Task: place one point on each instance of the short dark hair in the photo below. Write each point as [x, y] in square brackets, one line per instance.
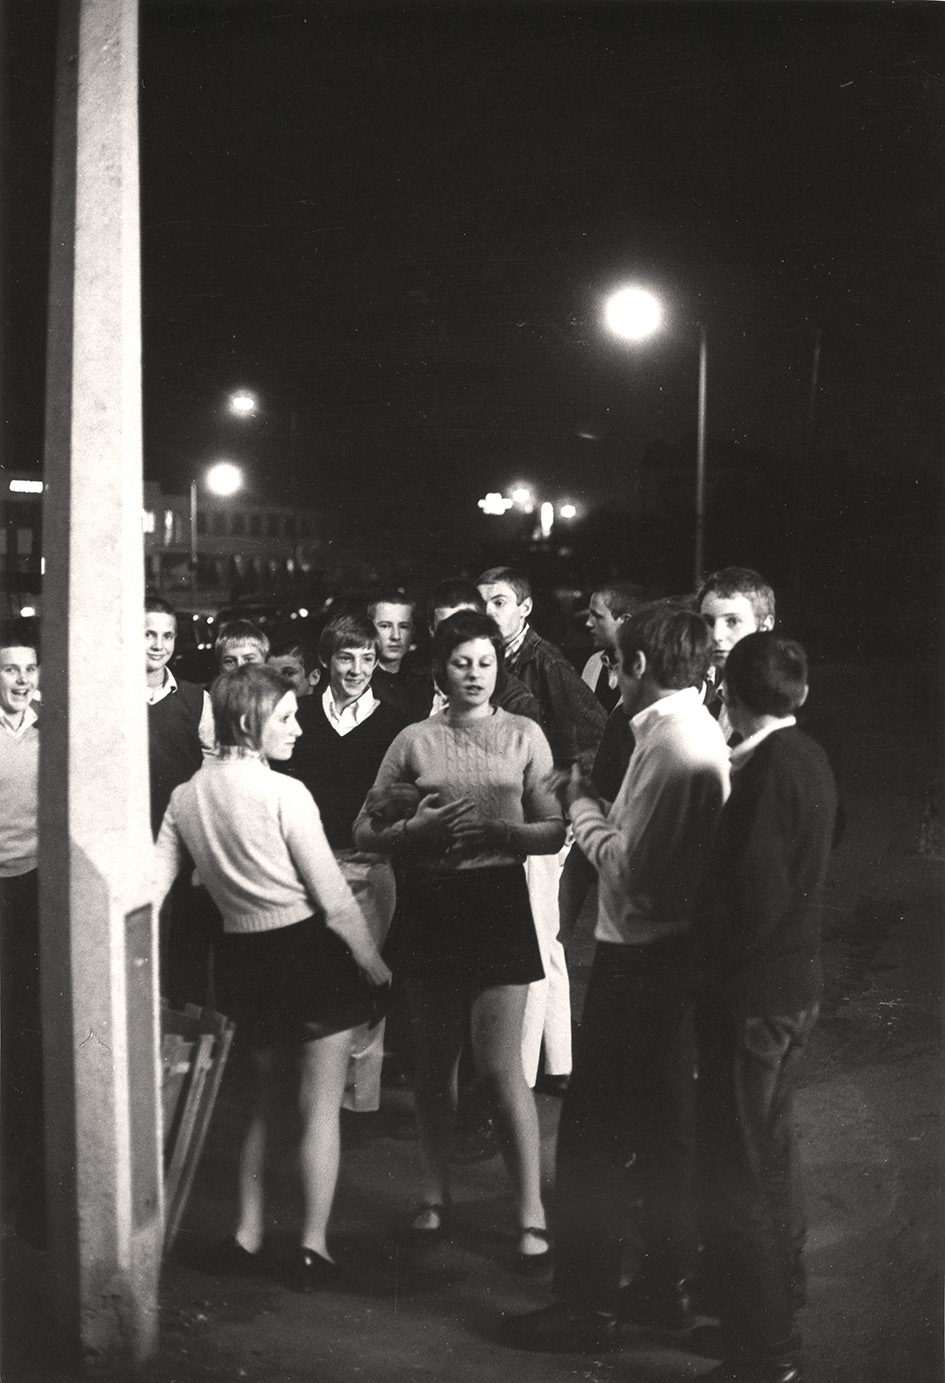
[729, 582]
[455, 590]
[462, 627]
[292, 648]
[767, 674]
[518, 581]
[252, 690]
[675, 642]
[157, 605]
[620, 597]
[346, 631]
[21, 632]
[241, 631]
[390, 598]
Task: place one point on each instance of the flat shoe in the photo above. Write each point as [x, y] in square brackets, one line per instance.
[534, 1263]
[313, 1271]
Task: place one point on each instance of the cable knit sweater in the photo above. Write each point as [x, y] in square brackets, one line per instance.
[256, 839]
[501, 762]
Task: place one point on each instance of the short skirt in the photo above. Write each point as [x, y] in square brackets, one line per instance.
[472, 927]
[292, 984]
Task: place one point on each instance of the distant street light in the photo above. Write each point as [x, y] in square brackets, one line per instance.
[243, 402]
[567, 511]
[223, 478]
[634, 313]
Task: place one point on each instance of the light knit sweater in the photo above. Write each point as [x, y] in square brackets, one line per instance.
[501, 762]
[257, 842]
[19, 796]
[649, 849]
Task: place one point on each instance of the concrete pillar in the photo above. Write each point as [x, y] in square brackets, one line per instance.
[99, 953]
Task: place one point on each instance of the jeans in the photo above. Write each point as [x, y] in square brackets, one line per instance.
[752, 1202]
[625, 1142]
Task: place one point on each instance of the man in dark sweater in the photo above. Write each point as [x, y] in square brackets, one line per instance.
[346, 729]
[755, 943]
[180, 732]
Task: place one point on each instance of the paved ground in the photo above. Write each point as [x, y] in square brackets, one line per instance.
[869, 1121]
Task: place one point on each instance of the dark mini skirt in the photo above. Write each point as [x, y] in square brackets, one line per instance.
[473, 927]
[291, 984]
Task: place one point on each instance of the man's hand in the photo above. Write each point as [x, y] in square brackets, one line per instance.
[570, 784]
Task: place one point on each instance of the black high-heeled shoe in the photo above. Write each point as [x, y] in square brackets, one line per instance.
[312, 1271]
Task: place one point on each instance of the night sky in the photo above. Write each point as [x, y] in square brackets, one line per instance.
[398, 222]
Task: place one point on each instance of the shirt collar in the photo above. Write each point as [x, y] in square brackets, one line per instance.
[513, 645]
[743, 752]
[156, 694]
[29, 718]
[352, 714]
[644, 721]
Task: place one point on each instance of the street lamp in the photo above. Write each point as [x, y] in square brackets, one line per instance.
[243, 402]
[223, 478]
[634, 313]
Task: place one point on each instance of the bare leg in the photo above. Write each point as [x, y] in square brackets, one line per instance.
[252, 1163]
[438, 1037]
[323, 1068]
[497, 1037]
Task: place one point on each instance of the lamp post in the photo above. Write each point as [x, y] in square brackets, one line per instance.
[221, 479]
[634, 313]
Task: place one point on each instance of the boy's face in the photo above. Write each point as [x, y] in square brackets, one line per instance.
[19, 676]
[394, 625]
[236, 654]
[350, 673]
[160, 635]
[293, 670]
[729, 618]
[601, 623]
[503, 605]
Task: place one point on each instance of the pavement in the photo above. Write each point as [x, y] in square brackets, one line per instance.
[868, 1115]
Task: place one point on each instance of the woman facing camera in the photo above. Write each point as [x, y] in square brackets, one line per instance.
[463, 936]
[299, 965]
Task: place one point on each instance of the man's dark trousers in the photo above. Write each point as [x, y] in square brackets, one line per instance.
[626, 1139]
[752, 1205]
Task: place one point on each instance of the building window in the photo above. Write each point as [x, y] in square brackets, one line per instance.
[218, 523]
[272, 525]
[255, 525]
[288, 526]
[239, 525]
[305, 528]
[24, 542]
[201, 522]
[169, 527]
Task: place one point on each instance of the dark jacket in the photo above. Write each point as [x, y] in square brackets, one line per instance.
[570, 714]
[755, 935]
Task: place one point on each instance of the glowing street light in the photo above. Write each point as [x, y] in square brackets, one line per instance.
[224, 478]
[567, 511]
[243, 402]
[634, 313]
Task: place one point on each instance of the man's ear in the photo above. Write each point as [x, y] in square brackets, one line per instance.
[638, 664]
[803, 697]
[244, 724]
[766, 625]
[526, 605]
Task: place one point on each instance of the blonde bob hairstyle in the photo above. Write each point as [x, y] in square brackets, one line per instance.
[243, 700]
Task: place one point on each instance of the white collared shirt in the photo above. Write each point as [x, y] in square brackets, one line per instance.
[352, 715]
[27, 718]
[743, 752]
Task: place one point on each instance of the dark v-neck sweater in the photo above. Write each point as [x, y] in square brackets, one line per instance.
[339, 770]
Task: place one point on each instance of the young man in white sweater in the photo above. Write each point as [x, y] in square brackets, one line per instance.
[626, 1134]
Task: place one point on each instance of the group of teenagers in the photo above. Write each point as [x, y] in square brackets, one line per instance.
[365, 815]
